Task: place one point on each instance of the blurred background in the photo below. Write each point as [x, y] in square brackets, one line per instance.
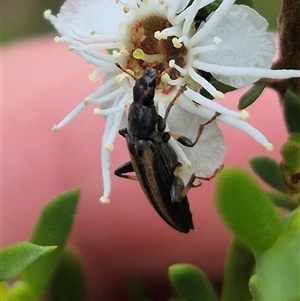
[24, 18]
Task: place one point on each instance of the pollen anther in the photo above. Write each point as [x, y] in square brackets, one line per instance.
[97, 112]
[93, 78]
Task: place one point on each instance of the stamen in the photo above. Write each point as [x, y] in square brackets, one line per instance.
[176, 43]
[244, 115]
[104, 200]
[270, 147]
[47, 14]
[210, 104]
[109, 146]
[87, 101]
[205, 84]
[165, 77]
[227, 119]
[212, 22]
[202, 49]
[71, 115]
[188, 164]
[112, 110]
[178, 68]
[126, 9]
[57, 39]
[218, 41]
[71, 47]
[97, 112]
[93, 78]
[148, 58]
[246, 71]
[158, 35]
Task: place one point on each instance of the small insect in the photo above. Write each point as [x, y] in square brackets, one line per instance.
[153, 160]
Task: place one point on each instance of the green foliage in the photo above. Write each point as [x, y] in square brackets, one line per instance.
[190, 283]
[238, 270]
[68, 283]
[19, 291]
[277, 275]
[290, 152]
[269, 171]
[291, 109]
[16, 258]
[53, 228]
[251, 95]
[247, 210]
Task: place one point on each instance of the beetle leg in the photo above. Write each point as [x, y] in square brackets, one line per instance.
[213, 175]
[188, 142]
[178, 190]
[123, 132]
[173, 101]
[125, 168]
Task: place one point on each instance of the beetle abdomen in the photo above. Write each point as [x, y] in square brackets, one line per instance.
[154, 162]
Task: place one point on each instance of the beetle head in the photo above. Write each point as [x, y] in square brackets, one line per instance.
[144, 88]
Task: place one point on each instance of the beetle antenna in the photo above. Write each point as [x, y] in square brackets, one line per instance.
[173, 101]
[127, 71]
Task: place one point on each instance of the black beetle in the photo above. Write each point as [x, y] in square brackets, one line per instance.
[153, 160]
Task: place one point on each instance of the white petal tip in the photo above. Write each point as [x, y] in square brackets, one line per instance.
[188, 164]
[219, 95]
[47, 14]
[244, 115]
[93, 78]
[97, 112]
[269, 147]
[54, 128]
[104, 200]
[109, 146]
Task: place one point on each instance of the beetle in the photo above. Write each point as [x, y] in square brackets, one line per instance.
[153, 160]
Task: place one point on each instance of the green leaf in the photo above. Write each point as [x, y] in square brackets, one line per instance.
[245, 2]
[239, 268]
[291, 110]
[290, 152]
[277, 270]
[53, 228]
[68, 283]
[18, 291]
[16, 258]
[247, 210]
[251, 95]
[283, 200]
[190, 283]
[269, 171]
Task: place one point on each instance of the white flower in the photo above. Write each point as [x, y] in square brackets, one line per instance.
[232, 44]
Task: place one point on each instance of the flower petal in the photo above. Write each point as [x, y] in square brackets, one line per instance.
[245, 43]
[207, 155]
[87, 15]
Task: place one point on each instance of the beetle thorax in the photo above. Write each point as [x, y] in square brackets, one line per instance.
[142, 121]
